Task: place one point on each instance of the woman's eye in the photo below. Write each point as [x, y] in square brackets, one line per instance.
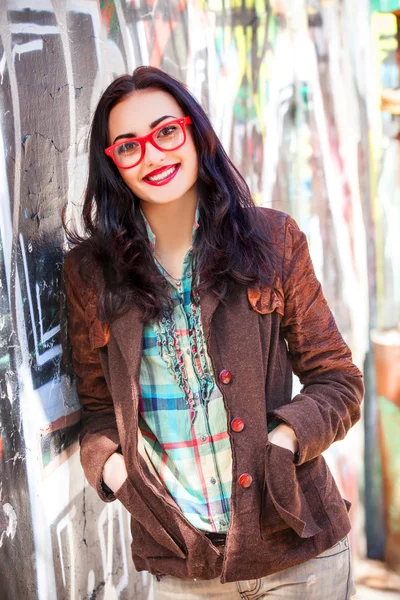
[127, 148]
[168, 130]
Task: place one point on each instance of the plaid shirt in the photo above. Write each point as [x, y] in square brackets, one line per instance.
[181, 412]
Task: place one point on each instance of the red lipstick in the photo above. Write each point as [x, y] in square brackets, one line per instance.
[165, 180]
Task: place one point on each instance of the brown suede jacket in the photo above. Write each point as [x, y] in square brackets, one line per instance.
[290, 512]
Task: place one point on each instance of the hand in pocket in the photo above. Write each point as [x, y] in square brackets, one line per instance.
[114, 472]
[285, 437]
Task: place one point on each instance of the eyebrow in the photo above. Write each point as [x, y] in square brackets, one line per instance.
[152, 125]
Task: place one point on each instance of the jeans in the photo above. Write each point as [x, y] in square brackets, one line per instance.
[325, 577]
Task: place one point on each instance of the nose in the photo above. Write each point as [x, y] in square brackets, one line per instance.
[152, 154]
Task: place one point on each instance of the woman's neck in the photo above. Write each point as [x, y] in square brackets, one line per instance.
[172, 225]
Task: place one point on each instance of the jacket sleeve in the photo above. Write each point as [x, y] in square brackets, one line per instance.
[99, 437]
[329, 401]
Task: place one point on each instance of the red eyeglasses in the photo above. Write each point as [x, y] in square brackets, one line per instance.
[130, 152]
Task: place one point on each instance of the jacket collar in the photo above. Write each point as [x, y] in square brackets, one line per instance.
[127, 330]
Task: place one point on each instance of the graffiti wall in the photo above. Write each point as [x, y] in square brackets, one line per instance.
[286, 85]
[384, 475]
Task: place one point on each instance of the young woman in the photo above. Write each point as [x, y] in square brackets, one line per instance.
[189, 309]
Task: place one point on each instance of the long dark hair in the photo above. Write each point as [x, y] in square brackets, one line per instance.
[232, 245]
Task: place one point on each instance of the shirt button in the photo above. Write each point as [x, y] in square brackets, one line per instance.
[237, 425]
[222, 522]
[213, 480]
[225, 376]
[203, 438]
[245, 480]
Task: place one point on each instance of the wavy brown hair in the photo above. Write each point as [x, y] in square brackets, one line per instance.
[232, 245]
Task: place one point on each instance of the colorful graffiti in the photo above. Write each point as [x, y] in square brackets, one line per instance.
[287, 88]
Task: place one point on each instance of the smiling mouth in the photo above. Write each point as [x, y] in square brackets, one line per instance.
[163, 177]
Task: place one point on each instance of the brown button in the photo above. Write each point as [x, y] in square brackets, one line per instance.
[245, 480]
[237, 425]
[225, 376]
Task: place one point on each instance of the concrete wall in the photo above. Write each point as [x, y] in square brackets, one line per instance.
[287, 90]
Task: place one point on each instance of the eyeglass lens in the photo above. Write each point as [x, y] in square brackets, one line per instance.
[129, 153]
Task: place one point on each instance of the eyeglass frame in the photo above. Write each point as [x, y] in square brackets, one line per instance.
[183, 121]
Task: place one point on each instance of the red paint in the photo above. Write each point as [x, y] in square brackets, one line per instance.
[158, 37]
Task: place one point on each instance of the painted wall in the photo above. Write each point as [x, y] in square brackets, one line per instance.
[385, 473]
[288, 88]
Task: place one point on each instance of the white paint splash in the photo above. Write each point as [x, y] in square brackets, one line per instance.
[12, 523]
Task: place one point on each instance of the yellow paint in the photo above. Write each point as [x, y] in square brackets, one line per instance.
[257, 197]
[244, 41]
[240, 40]
[381, 25]
[227, 37]
[260, 7]
[249, 43]
[216, 5]
[384, 25]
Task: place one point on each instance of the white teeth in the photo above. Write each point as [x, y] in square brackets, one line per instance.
[162, 175]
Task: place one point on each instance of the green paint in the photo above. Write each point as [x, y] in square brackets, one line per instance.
[304, 92]
[244, 109]
[109, 16]
[46, 458]
[390, 427]
[4, 361]
[385, 5]
[272, 30]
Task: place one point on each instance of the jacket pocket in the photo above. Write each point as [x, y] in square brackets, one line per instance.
[154, 538]
[146, 547]
[290, 498]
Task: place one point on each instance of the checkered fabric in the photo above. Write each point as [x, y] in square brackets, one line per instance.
[182, 415]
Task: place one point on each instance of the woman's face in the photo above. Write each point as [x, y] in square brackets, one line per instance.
[135, 116]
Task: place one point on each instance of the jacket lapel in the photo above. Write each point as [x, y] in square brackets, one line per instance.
[208, 303]
[127, 332]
